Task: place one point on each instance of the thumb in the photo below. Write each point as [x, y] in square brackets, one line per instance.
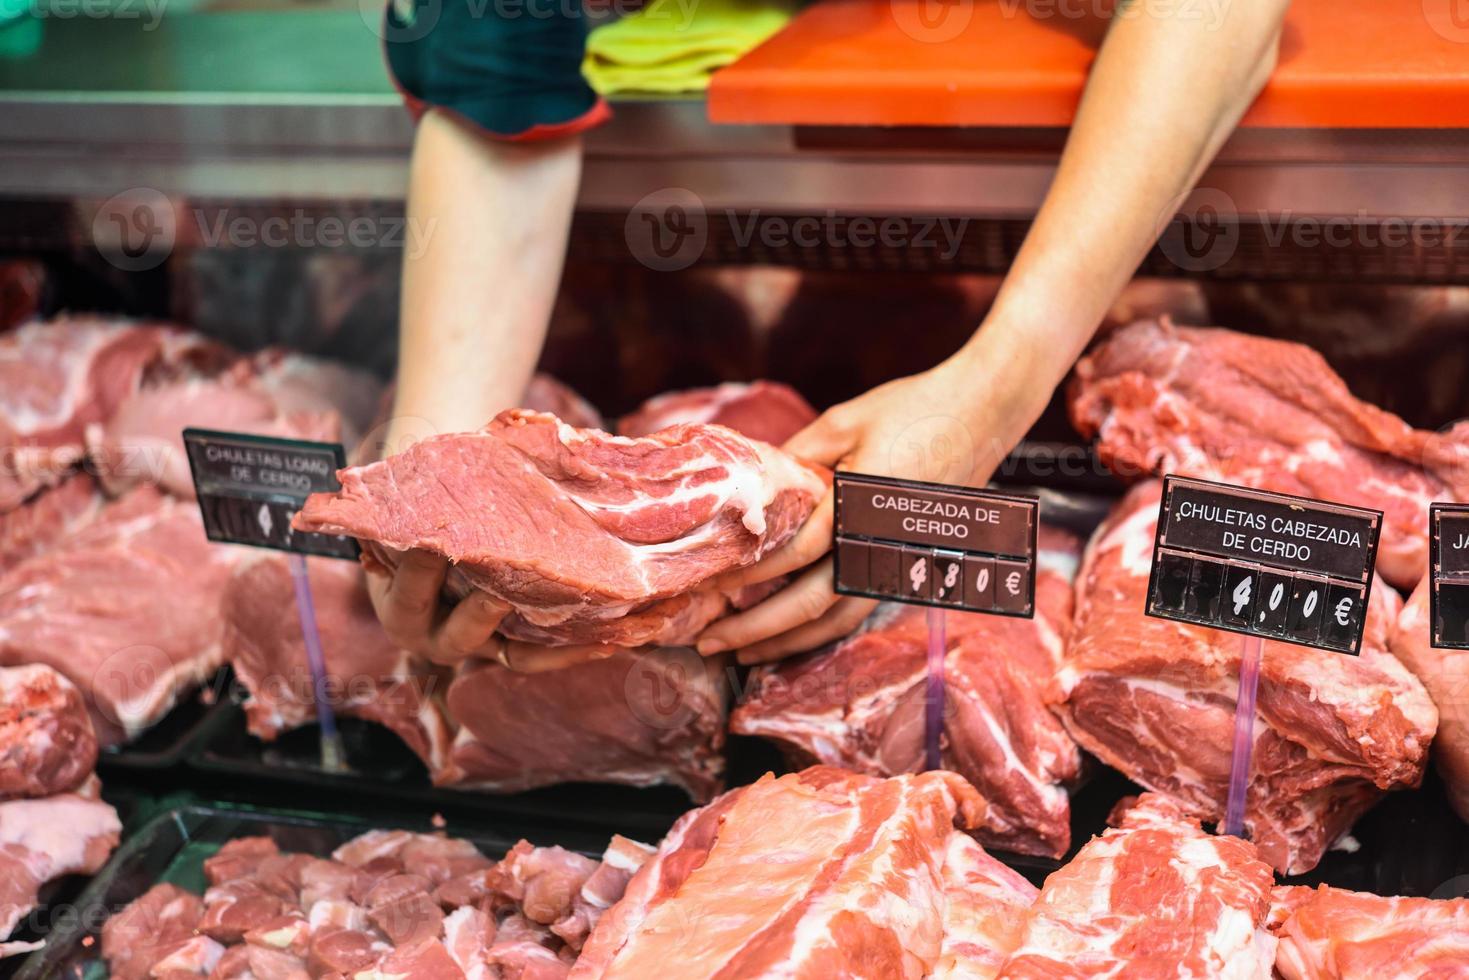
[825, 441]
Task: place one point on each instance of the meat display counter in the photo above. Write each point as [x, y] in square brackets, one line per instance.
[1319, 278]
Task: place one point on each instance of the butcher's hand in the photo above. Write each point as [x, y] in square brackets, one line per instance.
[952, 424]
[408, 601]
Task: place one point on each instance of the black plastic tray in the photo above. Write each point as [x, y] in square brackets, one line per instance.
[172, 848]
[241, 767]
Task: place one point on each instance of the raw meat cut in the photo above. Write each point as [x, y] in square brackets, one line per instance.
[984, 912]
[127, 609]
[57, 378]
[46, 741]
[1445, 673]
[1156, 897]
[860, 705]
[1220, 405]
[1333, 934]
[818, 874]
[546, 394]
[48, 517]
[590, 538]
[764, 410]
[1155, 699]
[271, 393]
[389, 903]
[44, 839]
[367, 675]
[640, 717]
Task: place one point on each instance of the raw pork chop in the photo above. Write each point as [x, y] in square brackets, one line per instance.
[640, 717]
[271, 393]
[860, 704]
[764, 410]
[590, 538]
[1333, 934]
[44, 839]
[984, 912]
[1155, 699]
[56, 378]
[368, 677]
[1220, 405]
[46, 741]
[127, 609]
[817, 874]
[1446, 675]
[1156, 897]
[48, 517]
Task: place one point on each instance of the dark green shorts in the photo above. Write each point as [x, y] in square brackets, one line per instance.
[511, 68]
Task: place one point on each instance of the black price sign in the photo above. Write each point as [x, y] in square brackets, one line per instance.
[1271, 564]
[1448, 588]
[935, 545]
[249, 488]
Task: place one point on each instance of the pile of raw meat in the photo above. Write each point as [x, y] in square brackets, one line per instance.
[105, 573]
[387, 903]
[818, 874]
[52, 820]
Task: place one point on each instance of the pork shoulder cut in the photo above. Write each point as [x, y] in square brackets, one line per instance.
[764, 410]
[860, 704]
[1154, 897]
[1330, 933]
[1445, 672]
[1221, 405]
[821, 873]
[1155, 699]
[590, 538]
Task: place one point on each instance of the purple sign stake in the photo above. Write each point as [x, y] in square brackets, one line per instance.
[332, 753]
[1244, 735]
[933, 719]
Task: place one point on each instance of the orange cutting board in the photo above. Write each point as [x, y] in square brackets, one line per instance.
[1343, 63]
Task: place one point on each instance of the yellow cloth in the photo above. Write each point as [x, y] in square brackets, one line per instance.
[673, 46]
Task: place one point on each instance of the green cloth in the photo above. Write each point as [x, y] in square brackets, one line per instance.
[673, 46]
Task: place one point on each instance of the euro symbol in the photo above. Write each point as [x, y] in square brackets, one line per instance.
[1343, 611]
[1242, 594]
[1012, 583]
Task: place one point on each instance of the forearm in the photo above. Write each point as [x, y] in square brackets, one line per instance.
[1163, 96]
[490, 223]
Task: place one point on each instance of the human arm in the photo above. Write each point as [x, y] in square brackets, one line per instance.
[492, 219]
[1163, 95]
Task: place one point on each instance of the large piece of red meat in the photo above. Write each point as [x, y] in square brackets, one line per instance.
[860, 704]
[1155, 698]
[1333, 934]
[1155, 897]
[47, 745]
[1445, 672]
[590, 538]
[1221, 405]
